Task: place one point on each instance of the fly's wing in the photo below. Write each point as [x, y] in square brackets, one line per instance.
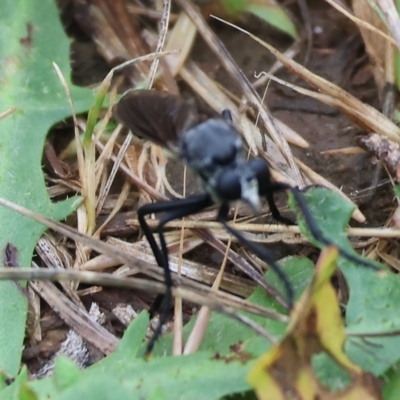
[157, 116]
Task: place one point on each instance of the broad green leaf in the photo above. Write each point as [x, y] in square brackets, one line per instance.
[11, 392]
[187, 377]
[123, 376]
[234, 7]
[392, 387]
[329, 373]
[157, 394]
[267, 10]
[31, 39]
[374, 296]
[397, 69]
[274, 15]
[26, 393]
[223, 332]
[66, 373]
[129, 347]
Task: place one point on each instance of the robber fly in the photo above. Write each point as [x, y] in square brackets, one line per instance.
[209, 145]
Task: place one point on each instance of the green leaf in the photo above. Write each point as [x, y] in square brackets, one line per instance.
[374, 296]
[32, 38]
[392, 388]
[132, 341]
[275, 16]
[26, 393]
[11, 392]
[329, 373]
[123, 376]
[66, 373]
[157, 394]
[234, 7]
[266, 10]
[396, 190]
[223, 332]
[174, 377]
[397, 68]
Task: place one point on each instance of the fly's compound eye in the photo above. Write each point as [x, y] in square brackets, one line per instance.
[261, 172]
[228, 185]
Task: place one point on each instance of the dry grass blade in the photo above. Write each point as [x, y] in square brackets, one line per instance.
[237, 74]
[195, 271]
[212, 94]
[6, 113]
[85, 156]
[86, 160]
[76, 317]
[123, 258]
[274, 228]
[388, 9]
[344, 151]
[102, 160]
[360, 22]
[78, 236]
[123, 195]
[378, 47]
[117, 36]
[199, 328]
[291, 52]
[55, 256]
[196, 335]
[291, 135]
[364, 115]
[181, 38]
[33, 327]
[177, 345]
[133, 178]
[218, 301]
[152, 14]
[210, 238]
[161, 40]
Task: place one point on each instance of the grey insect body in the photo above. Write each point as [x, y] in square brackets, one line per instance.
[214, 149]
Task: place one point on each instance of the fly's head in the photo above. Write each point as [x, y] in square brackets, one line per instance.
[242, 182]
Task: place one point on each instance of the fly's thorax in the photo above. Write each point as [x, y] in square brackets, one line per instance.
[211, 147]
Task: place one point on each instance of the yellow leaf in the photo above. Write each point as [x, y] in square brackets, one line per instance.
[285, 372]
